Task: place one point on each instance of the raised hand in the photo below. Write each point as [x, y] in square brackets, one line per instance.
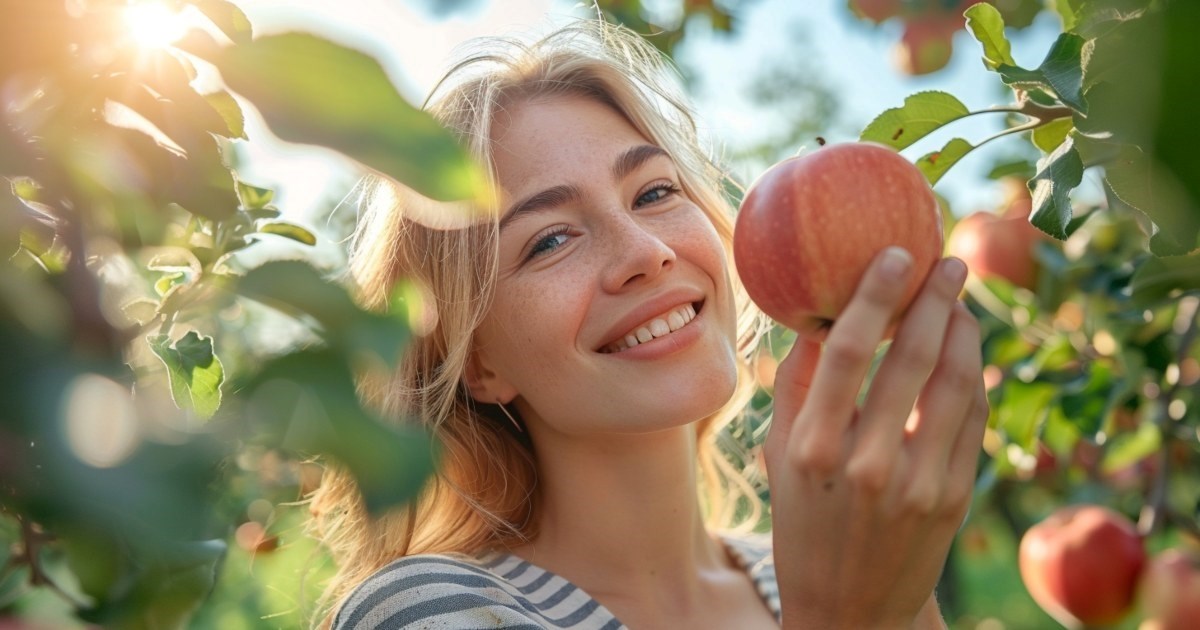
[867, 496]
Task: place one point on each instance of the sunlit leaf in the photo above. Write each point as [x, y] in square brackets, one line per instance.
[314, 91]
[1058, 174]
[1023, 407]
[1127, 449]
[253, 197]
[1066, 12]
[229, 110]
[1048, 136]
[227, 17]
[288, 230]
[1061, 71]
[934, 165]
[987, 25]
[194, 371]
[921, 114]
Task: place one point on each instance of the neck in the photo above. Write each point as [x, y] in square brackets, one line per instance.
[620, 514]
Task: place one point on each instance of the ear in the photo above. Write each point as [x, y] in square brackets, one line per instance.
[484, 384]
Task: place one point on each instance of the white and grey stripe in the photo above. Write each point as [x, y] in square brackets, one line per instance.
[500, 590]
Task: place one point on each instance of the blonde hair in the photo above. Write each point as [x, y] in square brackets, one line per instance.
[483, 493]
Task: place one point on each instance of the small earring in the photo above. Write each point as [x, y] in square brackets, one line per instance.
[509, 416]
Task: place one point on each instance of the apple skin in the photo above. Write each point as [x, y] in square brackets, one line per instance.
[1081, 565]
[995, 246]
[1170, 591]
[810, 226]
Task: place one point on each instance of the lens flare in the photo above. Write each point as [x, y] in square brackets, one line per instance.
[153, 25]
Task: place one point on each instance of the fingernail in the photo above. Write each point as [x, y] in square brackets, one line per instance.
[896, 262]
[954, 270]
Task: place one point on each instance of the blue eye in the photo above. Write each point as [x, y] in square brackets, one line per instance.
[657, 193]
[548, 242]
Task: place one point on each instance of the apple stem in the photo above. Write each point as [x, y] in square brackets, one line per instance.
[1155, 509]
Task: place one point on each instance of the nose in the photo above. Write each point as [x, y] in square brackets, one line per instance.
[636, 253]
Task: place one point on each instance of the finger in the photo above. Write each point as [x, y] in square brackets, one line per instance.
[945, 405]
[964, 457]
[850, 346]
[793, 379]
[906, 368]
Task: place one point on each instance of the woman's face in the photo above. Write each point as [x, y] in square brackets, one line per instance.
[613, 310]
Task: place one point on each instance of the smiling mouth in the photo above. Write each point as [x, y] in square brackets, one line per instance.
[660, 326]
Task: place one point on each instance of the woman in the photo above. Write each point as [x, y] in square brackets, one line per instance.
[590, 338]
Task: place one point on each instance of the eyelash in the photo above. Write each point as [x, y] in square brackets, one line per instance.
[668, 188]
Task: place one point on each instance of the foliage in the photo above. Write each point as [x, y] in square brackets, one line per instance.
[141, 354]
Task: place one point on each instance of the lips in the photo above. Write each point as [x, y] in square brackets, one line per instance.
[657, 317]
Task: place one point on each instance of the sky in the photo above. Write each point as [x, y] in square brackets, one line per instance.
[850, 57]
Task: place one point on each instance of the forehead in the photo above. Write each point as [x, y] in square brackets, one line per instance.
[543, 140]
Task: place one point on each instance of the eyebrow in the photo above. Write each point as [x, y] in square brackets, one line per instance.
[555, 196]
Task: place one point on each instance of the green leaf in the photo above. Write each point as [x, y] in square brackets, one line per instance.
[934, 165]
[161, 587]
[227, 17]
[1048, 136]
[1061, 71]
[314, 91]
[230, 111]
[288, 230]
[921, 114]
[1143, 184]
[253, 197]
[308, 402]
[1127, 449]
[1158, 279]
[987, 25]
[1022, 408]
[1058, 173]
[298, 289]
[195, 372]
[1066, 11]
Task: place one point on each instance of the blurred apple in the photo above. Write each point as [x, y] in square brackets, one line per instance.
[926, 44]
[876, 11]
[810, 226]
[1081, 565]
[999, 246]
[1170, 591]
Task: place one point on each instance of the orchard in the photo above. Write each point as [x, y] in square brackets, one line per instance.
[180, 355]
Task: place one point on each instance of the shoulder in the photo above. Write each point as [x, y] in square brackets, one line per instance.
[434, 591]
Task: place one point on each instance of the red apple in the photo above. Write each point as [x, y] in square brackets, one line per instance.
[926, 44]
[998, 246]
[1170, 591]
[1082, 564]
[876, 11]
[809, 227]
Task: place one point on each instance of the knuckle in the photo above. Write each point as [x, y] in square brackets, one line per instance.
[813, 457]
[868, 475]
[918, 356]
[924, 499]
[845, 352]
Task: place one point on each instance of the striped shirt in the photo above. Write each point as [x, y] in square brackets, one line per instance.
[499, 590]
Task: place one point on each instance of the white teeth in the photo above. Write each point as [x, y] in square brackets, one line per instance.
[655, 328]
